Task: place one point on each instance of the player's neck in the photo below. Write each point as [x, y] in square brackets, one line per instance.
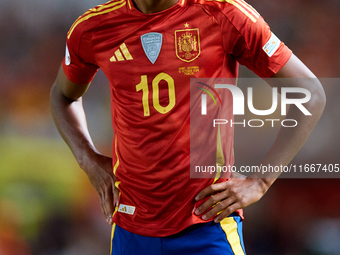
[152, 6]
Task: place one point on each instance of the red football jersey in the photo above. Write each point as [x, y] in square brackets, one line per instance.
[149, 60]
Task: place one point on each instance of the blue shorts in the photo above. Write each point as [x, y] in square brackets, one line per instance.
[222, 238]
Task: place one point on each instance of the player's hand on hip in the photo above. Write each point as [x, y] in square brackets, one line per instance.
[227, 197]
[100, 173]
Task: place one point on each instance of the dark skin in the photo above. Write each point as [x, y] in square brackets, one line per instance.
[237, 193]
[152, 6]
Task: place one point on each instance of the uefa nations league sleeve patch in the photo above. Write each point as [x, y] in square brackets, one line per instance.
[152, 44]
[272, 45]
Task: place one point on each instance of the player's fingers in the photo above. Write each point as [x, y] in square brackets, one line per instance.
[221, 206]
[229, 210]
[106, 203]
[211, 190]
[115, 193]
[210, 202]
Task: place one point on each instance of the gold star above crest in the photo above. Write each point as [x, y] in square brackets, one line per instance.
[186, 25]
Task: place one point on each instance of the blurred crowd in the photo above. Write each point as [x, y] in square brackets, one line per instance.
[47, 206]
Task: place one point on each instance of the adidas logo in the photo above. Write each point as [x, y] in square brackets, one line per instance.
[121, 54]
[126, 209]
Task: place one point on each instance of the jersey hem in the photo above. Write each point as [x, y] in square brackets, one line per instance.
[164, 232]
[151, 232]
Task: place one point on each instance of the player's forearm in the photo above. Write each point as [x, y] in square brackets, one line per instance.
[290, 139]
[70, 120]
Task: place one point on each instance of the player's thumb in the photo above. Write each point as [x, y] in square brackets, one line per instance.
[115, 193]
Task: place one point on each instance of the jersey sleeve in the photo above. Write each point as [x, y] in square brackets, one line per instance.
[78, 64]
[250, 40]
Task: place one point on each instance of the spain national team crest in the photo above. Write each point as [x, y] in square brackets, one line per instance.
[187, 44]
[152, 44]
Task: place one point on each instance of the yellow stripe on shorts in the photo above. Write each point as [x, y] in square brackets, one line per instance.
[112, 235]
[229, 226]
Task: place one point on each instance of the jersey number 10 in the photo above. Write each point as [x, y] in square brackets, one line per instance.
[143, 85]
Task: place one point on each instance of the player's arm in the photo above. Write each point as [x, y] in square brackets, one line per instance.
[238, 193]
[290, 140]
[69, 117]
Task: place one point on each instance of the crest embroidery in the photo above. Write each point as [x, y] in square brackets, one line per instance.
[187, 44]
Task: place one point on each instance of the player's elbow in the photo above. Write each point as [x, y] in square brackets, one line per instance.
[318, 96]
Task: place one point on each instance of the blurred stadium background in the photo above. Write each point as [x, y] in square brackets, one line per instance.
[47, 206]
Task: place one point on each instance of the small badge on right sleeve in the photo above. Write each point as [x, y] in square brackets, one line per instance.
[272, 45]
[67, 57]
